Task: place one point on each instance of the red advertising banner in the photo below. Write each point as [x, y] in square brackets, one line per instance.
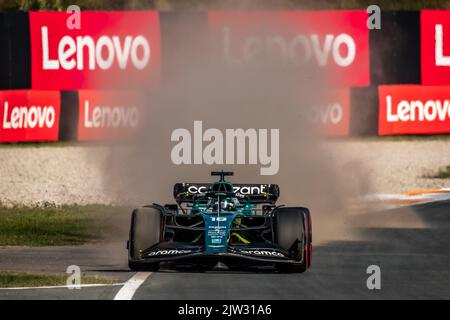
[414, 109]
[336, 41]
[435, 47]
[28, 115]
[110, 50]
[106, 115]
[333, 117]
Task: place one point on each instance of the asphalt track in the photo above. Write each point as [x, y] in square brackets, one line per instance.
[414, 262]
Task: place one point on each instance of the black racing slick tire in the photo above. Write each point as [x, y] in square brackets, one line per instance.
[292, 230]
[145, 232]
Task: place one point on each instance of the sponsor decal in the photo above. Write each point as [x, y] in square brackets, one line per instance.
[414, 109]
[337, 41]
[110, 50]
[218, 219]
[263, 253]
[333, 117]
[168, 252]
[217, 233]
[249, 190]
[108, 114]
[197, 190]
[244, 190]
[435, 46]
[28, 115]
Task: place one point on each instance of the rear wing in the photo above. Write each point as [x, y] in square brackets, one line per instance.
[256, 193]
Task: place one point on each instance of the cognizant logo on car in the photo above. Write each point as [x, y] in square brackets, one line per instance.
[244, 190]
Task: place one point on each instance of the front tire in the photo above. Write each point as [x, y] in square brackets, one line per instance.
[293, 233]
[145, 232]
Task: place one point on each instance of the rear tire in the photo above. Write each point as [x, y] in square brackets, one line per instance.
[293, 233]
[145, 232]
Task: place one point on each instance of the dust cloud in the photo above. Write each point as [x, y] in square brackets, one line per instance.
[266, 93]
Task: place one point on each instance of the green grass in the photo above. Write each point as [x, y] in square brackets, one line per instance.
[62, 144]
[53, 144]
[214, 4]
[66, 225]
[384, 4]
[25, 279]
[36, 144]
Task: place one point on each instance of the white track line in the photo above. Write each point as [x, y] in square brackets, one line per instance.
[67, 287]
[130, 287]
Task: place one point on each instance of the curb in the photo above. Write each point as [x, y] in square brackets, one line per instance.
[409, 198]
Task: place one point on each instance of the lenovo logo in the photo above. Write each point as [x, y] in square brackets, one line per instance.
[111, 50]
[106, 115]
[332, 113]
[23, 117]
[86, 52]
[414, 109]
[110, 117]
[441, 59]
[337, 42]
[435, 47]
[338, 49]
[429, 110]
[28, 115]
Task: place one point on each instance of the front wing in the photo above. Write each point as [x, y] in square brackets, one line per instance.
[180, 253]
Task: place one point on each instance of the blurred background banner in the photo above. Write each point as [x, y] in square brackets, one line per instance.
[337, 41]
[143, 51]
[107, 115]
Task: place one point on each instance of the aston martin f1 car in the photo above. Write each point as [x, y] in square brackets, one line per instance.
[236, 224]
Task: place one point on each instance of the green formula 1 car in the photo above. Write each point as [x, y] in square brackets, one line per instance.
[236, 224]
